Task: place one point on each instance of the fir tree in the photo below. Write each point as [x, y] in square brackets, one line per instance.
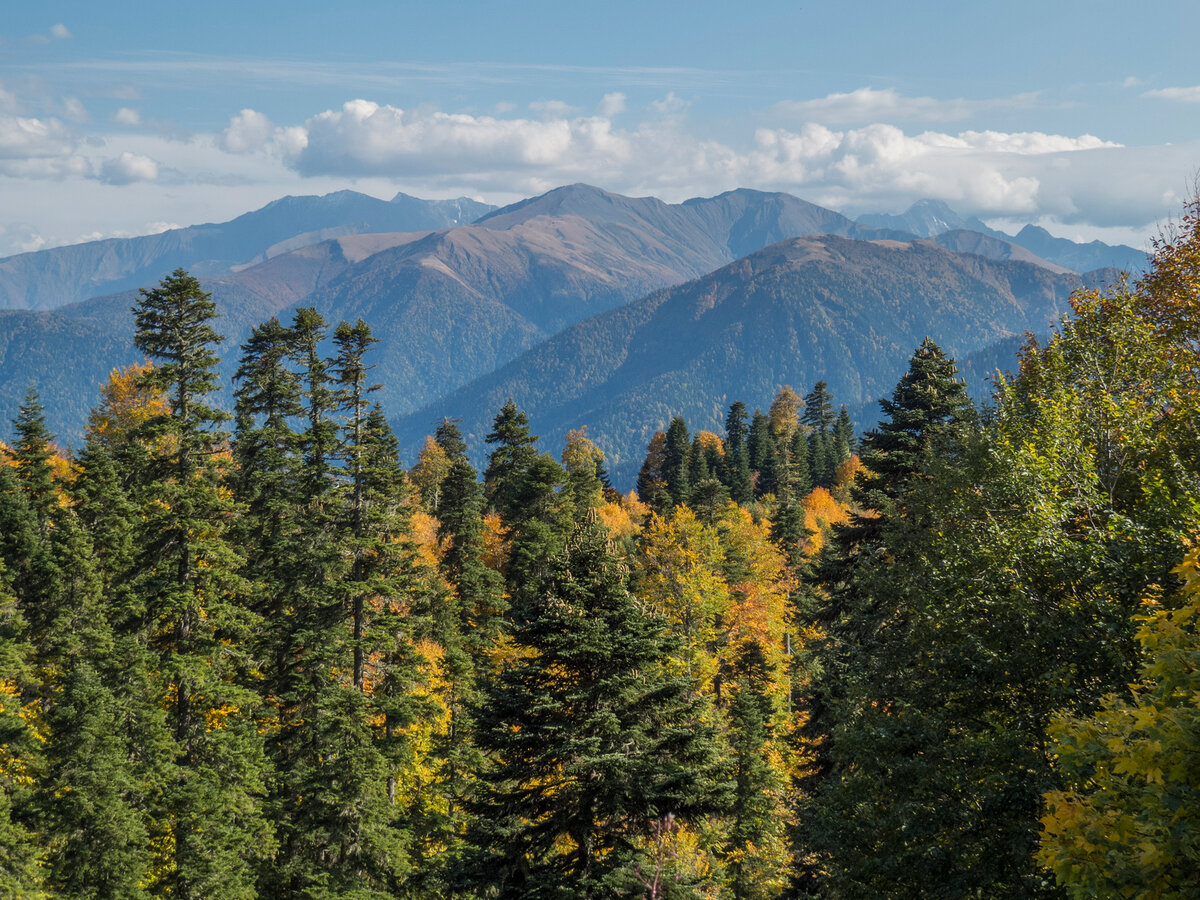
[651, 484]
[592, 739]
[676, 460]
[515, 449]
[762, 454]
[188, 579]
[737, 461]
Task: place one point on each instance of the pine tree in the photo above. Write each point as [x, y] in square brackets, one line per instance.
[592, 739]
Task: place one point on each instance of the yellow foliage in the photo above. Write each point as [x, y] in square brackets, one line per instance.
[494, 553]
[679, 563]
[125, 405]
[710, 441]
[424, 532]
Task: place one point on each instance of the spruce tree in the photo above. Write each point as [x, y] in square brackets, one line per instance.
[592, 738]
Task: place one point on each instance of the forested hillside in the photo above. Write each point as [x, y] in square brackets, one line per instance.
[260, 655]
[818, 308]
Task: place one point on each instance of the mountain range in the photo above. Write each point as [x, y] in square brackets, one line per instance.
[816, 308]
[475, 300]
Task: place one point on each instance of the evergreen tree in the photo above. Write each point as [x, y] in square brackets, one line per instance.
[843, 436]
[593, 740]
[32, 457]
[763, 457]
[515, 449]
[737, 461]
[651, 483]
[676, 461]
[756, 838]
[20, 746]
[187, 579]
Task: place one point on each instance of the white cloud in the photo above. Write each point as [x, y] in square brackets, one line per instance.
[127, 116]
[871, 105]
[60, 32]
[8, 101]
[23, 137]
[248, 131]
[128, 168]
[364, 138]
[1182, 94]
[611, 105]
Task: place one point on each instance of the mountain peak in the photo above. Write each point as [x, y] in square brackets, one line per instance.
[926, 218]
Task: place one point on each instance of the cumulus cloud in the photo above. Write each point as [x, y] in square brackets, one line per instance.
[871, 105]
[1181, 94]
[60, 32]
[128, 168]
[127, 116]
[248, 131]
[23, 137]
[365, 138]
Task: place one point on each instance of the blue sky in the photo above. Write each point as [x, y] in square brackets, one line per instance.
[127, 117]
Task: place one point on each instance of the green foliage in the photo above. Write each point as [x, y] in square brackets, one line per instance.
[1127, 820]
[592, 739]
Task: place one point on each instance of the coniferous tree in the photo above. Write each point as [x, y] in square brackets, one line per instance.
[188, 580]
[737, 461]
[756, 836]
[515, 449]
[676, 461]
[593, 740]
[32, 457]
[22, 873]
[763, 457]
[926, 406]
[651, 483]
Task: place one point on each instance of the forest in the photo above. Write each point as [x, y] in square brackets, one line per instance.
[257, 655]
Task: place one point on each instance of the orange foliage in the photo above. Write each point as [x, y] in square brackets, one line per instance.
[847, 470]
[760, 607]
[624, 517]
[125, 404]
[709, 440]
[821, 512]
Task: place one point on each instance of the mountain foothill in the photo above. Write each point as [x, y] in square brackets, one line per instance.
[584, 306]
